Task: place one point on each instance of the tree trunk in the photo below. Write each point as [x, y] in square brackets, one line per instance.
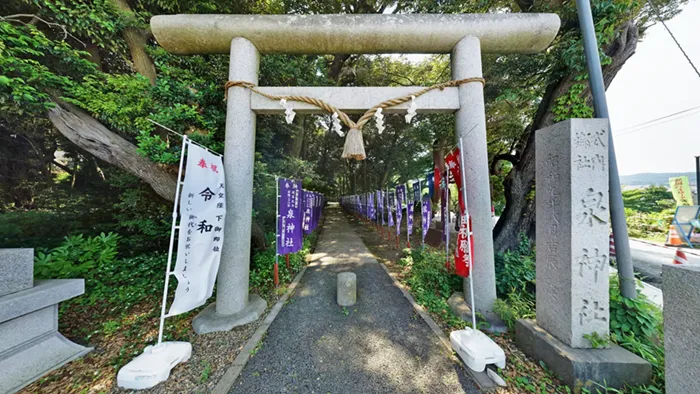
[136, 41]
[519, 213]
[296, 141]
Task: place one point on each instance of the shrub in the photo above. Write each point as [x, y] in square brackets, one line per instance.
[515, 270]
[126, 282]
[263, 264]
[517, 305]
[76, 256]
[428, 276]
[628, 316]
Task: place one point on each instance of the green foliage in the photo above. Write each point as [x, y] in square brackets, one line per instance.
[598, 341]
[651, 351]
[109, 280]
[76, 257]
[431, 284]
[516, 305]
[31, 64]
[123, 283]
[652, 199]
[262, 267]
[428, 276]
[515, 270]
[649, 212]
[632, 316]
[572, 104]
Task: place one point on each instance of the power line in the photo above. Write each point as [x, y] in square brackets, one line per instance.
[656, 11]
[656, 121]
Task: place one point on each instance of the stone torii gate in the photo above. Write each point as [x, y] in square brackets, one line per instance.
[246, 37]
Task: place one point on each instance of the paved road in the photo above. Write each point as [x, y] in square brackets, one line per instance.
[378, 346]
[648, 259]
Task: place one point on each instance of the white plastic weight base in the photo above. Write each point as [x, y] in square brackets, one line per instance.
[153, 365]
[476, 349]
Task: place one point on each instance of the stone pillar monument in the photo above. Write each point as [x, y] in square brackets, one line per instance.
[572, 259]
[30, 344]
[234, 306]
[681, 320]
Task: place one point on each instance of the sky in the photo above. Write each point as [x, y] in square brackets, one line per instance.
[658, 81]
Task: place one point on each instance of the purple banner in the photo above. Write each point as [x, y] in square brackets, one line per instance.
[372, 211]
[409, 217]
[416, 192]
[380, 206]
[431, 184]
[390, 203]
[400, 198]
[444, 214]
[319, 208]
[308, 212]
[425, 218]
[289, 225]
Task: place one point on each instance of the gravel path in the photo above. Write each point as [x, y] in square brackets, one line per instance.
[380, 345]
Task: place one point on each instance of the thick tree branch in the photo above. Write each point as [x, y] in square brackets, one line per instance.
[92, 136]
[503, 156]
[63, 167]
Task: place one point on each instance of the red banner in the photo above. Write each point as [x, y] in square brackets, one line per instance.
[452, 161]
[465, 248]
[465, 240]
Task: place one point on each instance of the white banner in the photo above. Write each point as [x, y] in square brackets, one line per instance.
[202, 215]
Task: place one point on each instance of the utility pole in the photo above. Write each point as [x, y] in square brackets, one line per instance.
[625, 269]
[697, 179]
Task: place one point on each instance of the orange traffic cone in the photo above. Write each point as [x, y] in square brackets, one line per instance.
[680, 257]
[673, 239]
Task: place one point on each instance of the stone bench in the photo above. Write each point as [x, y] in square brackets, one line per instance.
[30, 344]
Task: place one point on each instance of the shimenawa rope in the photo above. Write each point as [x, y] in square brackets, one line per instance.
[354, 147]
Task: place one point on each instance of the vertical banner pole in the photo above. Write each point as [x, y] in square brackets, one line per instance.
[466, 217]
[408, 236]
[388, 212]
[277, 230]
[420, 203]
[173, 226]
[446, 219]
[286, 257]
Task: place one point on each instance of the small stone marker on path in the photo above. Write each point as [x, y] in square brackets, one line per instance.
[681, 322]
[347, 289]
[30, 344]
[572, 260]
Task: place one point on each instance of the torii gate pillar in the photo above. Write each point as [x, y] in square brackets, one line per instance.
[234, 306]
[470, 125]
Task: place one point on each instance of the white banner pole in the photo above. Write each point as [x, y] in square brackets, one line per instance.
[420, 204]
[468, 227]
[277, 219]
[173, 227]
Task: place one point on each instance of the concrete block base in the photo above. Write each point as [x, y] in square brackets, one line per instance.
[579, 367]
[35, 359]
[461, 309]
[209, 321]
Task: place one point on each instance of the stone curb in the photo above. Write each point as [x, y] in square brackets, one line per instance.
[227, 381]
[685, 248]
[481, 379]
